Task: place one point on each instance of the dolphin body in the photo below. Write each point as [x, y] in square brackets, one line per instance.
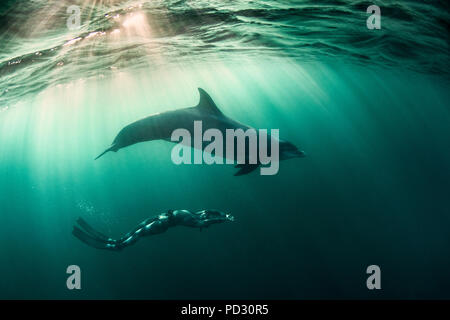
[161, 126]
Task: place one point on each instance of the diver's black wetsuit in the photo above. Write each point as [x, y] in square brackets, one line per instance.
[151, 226]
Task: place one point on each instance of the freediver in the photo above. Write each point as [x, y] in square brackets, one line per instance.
[151, 226]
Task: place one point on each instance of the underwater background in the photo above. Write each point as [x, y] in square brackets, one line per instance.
[369, 107]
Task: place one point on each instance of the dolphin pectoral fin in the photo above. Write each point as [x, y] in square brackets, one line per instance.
[245, 168]
[112, 148]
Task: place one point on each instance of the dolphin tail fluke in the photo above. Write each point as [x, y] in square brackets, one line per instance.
[112, 148]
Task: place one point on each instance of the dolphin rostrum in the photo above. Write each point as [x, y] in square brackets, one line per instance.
[161, 126]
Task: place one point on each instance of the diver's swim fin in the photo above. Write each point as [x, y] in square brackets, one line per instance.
[86, 238]
[91, 241]
[88, 229]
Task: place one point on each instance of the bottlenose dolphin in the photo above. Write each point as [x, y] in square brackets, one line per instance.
[161, 126]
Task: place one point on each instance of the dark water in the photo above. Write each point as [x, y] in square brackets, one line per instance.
[369, 107]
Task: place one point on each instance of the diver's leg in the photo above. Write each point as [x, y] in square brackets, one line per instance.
[127, 240]
[140, 226]
[148, 227]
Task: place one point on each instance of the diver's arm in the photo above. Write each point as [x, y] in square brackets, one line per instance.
[190, 219]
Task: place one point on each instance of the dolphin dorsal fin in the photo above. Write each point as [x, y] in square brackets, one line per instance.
[207, 103]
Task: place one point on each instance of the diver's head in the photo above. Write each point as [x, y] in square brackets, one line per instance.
[289, 151]
[215, 216]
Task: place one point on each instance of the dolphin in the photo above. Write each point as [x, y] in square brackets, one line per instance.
[161, 126]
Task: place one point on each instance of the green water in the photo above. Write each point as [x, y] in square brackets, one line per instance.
[373, 189]
[372, 115]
